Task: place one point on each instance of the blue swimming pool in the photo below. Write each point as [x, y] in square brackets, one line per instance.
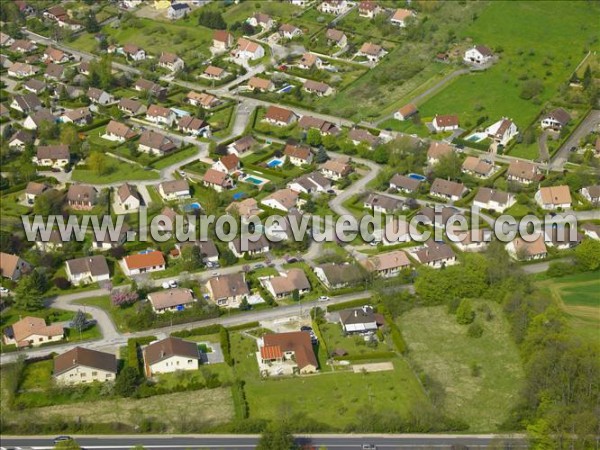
[253, 180]
[274, 163]
[416, 176]
[238, 195]
[192, 207]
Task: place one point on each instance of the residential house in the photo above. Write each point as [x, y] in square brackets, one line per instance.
[35, 119]
[288, 353]
[283, 200]
[21, 139]
[401, 17]
[107, 241]
[134, 52]
[478, 54]
[435, 255]
[22, 46]
[247, 49]
[194, 126]
[32, 332]
[396, 231]
[5, 63]
[35, 86]
[171, 62]
[26, 103]
[151, 88]
[372, 52]
[336, 7]
[369, 9]
[522, 250]
[156, 143]
[318, 88]
[81, 197]
[222, 40]
[438, 216]
[523, 172]
[71, 92]
[493, 199]
[249, 247]
[336, 37]
[284, 284]
[280, 117]
[477, 167]
[438, 150]
[153, 261]
[160, 115]
[383, 203]
[170, 355]
[202, 99]
[13, 266]
[556, 119]
[83, 365]
[360, 320]
[289, 31]
[214, 73]
[260, 84]
[404, 183]
[89, 269]
[554, 197]
[132, 107]
[406, 111]
[387, 265]
[56, 156]
[472, 240]
[5, 40]
[445, 123]
[325, 128]
[563, 238]
[310, 60]
[311, 183]
[298, 155]
[261, 20]
[52, 244]
[54, 55]
[335, 169]
[57, 73]
[128, 197]
[21, 70]
[591, 194]
[178, 11]
[502, 132]
[241, 146]
[339, 275]
[217, 180]
[228, 291]
[79, 116]
[246, 209]
[174, 190]
[208, 250]
[171, 300]
[117, 131]
[99, 96]
[83, 68]
[32, 191]
[227, 164]
[360, 135]
[446, 189]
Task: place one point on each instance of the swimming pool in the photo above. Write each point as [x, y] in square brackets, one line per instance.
[238, 195]
[285, 89]
[416, 176]
[253, 180]
[274, 162]
[476, 137]
[192, 207]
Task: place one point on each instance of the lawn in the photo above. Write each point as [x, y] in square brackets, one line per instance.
[117, 314]
[442, 349]
[175, 158]
[116, 171]
[354, 345]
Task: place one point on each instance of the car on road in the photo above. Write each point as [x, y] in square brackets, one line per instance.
[259, 266]
[369, 447]
[215, 274]
[3, 290]
[323, 298]
[305, 328]
[172, 284]
[62, 438]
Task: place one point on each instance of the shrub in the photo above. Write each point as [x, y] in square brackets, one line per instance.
[62, 283]
[225, 345]
[464, 313]
[475, 330]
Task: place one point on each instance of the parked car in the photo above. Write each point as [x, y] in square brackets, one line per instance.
[3, 290]
[172, 284]
[305, 328]
[323, 298]
[63, 438]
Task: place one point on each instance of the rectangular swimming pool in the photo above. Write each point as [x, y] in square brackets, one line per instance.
[253, 180]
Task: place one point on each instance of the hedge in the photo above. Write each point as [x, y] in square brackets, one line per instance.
[396, 334]
[349, 304]
[94, 125]
[240, 404]
[200, 331]
[244, 326]
[366, 356]
[471, 144]
[132, 351]
[225, 346]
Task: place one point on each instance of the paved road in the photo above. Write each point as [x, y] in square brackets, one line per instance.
[589, 124]
[330, 441]
[543, 146]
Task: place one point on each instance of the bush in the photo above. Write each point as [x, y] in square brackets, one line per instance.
[225, 345]
[62, 283]
[464, 313]
[396, 335]
[244, 326]
[475, 330]
[200, 331]
[366, 356]
[346, 305]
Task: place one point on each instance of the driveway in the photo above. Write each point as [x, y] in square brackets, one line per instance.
[586, 127]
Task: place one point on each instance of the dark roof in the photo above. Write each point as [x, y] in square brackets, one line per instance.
[96, 265]
[80, 356]
[341, 273]
[171, 346]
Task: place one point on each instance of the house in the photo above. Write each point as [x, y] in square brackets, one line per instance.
[338, 275]
[194, 126]
[435, 255]
[554, 197]
[134, 52]
[522, 250]
[5, 63]
[284, 284]
[260, 84]
[472, 240]
[131, 4]
[35, 86]
[247, 49]
[34, 120]
[556, 119]
[477, 167]
[446, 189]
[12, 266]
[288, 353]
[438, 150]
[310, 60]
[401, 16]
[360, 135]
[83, 365]
[335, 169]
[155, 143]
[382, 203]
[372, 52]
[71, 92]
[246, 209]
[396, 231]
[591, 230]
[83, 68]
[153, 261]
[280, 117]
[283, 200]
[32, 332]
[202, 99]
[26, 103]
[160, 115]
[78, 116]
[406, 111]
[388, 264]
[241, 146]
[289, 31]
[311, 183]
[404, 183]
[34, 189]
[56, 72]
[104, 241]
[214, 73]
[325, 128]
[174, 190]
[217, 180]
[171, 300]
[251, 248]
[24, 7]
[591, 194]
[502, 131]
[54, 55]
[298, 155]
[22, 46]
[359, 320]
[178, 10]
[222, 40]
[81, 197]
[151, 88]
[261, 20]
[428, 215]
[563, 238]
[169, 218]
[89, 269]
[228, 291]
[99, 96]
[493, 199]
[523, 172]
[318, 88]
[171, 62]
[21, 139]
[336, 7]
[336, 37]
[62, 18]
[208, 250]
[170, 355]
[21, 70]
[117, 131]
[56, 156]
[128, 197]
[445, 123]
[478, 54]
[132, 107]
[5, 40]
[227, 164]
[369, 9]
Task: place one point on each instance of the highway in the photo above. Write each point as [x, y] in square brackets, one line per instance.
[329, 441]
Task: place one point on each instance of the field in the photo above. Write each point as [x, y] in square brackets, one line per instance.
[116, 171]
[442, 349]
[579, 296]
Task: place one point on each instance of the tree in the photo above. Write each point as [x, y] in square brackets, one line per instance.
[587, 254]
[212, 19]
[79, 322]
[70, 137]
[98, 163]
[313, 137]
[531, 88]
[329, 142]
[464, 313]
[48, 130]
[380, 155]
[29, 291]
[49, 202]
[321, 155]
[124, 298]
[244, 305]
[587, 77]
[448, 166]
[296, 295]
[127, 382]
[91, 24]
[276, 437]
[191, 258]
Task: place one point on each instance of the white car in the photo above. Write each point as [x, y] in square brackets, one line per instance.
[323, 298]
[172, 284]
[3, 290]
[165, 285]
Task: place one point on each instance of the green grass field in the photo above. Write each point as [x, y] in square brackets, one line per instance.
[442, 349]
[119, 171]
